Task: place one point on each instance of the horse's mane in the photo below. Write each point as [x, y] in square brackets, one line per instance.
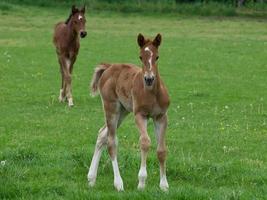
[67, 20]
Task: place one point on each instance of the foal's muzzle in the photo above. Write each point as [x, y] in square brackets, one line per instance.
[149, 80]
[83, 34]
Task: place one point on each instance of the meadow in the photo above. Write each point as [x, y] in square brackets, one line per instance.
[215, 69]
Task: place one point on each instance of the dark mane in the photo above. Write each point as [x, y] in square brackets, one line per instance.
[67, 20]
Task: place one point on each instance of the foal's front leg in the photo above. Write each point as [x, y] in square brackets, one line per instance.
[67, 79]
[62, 95]
[141, 123]
[160, 124]
[100, 144]
[70, 62]
[112, 112]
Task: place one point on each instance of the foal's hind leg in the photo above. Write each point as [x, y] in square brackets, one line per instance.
[100, 144]
[160, 124]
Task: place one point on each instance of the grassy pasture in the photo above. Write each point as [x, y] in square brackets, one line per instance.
[215, 70]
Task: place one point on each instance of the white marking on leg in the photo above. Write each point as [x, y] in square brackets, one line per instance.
[70, 101]
[93, 168]
[142, 175]
[61, 98]
[101, 142]
[69, 96]
[118, 184]
[159, 126]
[150, 59]
[164, 183]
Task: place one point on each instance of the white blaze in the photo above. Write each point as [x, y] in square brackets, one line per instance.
[150, 59]
[80, 17]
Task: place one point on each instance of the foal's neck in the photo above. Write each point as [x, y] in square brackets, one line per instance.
[72, 34]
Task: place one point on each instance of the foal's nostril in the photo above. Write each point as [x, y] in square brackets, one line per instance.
[83, 34]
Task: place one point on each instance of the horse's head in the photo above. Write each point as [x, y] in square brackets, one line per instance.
[78, 20]
[149, 56]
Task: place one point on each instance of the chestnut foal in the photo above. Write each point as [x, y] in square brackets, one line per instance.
[127, 88]
[66, 41]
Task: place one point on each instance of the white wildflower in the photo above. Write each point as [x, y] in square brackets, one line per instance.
[3, 162]
[225, 149]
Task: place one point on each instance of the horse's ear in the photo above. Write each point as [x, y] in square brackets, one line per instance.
[157, 40]
[83, 9]
[74, 9]
[141, 40]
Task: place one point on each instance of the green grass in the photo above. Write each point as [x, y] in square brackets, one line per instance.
[215, 70]
[197, 8]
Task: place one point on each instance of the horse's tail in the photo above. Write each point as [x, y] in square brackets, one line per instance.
[96, 77]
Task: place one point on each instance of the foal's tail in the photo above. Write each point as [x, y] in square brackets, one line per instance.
[96, 77]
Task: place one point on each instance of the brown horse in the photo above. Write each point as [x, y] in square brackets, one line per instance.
[127, 88]
[66, 41]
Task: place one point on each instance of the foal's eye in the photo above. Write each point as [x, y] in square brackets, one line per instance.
[157, 57]
[140, 57]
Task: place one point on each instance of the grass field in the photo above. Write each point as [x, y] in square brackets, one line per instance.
[215, 70]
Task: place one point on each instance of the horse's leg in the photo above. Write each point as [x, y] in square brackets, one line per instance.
[112, 113]
[67, 78]
[73, 59]
[141, 122]
[160, 125]
[61, 97]
[68, 83]
[100, 144]
[70, 63]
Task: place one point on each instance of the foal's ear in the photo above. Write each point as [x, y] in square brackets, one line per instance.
[157, 40]
[83, 9]
[74, 9]
[141, 40]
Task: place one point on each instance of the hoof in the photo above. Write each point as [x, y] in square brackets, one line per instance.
[141, 186]
[164, 186]
[61, 98]
[70, 102]
[118, 184]
[91, 183]
[91, 180]
[142, 175]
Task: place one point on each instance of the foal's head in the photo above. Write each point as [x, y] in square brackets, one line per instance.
[77, 20]
[149, 56]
